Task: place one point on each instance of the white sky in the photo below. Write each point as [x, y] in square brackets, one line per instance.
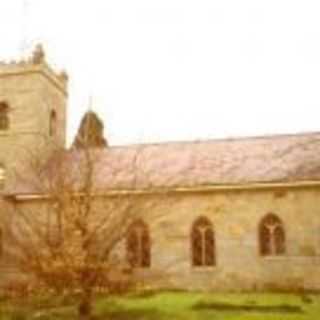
[162, 70]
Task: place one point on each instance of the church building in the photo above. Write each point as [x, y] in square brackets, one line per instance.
[236, 214]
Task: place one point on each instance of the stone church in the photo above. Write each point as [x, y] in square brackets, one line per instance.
[240, 214]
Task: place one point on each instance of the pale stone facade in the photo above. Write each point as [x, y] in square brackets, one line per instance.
[234, 184]
[235, 215]
[32, 92]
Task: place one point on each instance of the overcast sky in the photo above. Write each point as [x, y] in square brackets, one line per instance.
[178, 69]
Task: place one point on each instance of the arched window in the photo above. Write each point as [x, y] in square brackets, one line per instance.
[138, 245]
[2, 175]
[272, 238]
[203, 243]
[53, 123]
[4, 116]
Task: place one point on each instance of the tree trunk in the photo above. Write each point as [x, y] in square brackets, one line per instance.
[85, 306]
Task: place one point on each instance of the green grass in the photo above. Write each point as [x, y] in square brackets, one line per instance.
[194, 306]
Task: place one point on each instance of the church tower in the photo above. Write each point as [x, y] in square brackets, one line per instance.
[32, 113]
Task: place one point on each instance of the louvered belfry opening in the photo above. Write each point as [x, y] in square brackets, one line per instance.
[4, 116]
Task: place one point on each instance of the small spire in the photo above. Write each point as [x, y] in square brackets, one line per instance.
[38, 56]
[90, 132]
[64, 76]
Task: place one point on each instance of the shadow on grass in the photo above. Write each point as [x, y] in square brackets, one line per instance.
[133, 315]
[306, 298]
[228, 307]
[152, 293]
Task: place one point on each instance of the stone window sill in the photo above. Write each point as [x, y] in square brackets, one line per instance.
[275, 257]
[203, 268]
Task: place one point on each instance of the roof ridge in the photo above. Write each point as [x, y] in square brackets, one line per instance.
[217, 140]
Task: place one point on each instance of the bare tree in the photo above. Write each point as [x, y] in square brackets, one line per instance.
[64, 233]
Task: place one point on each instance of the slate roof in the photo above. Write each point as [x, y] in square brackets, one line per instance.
[280, 158]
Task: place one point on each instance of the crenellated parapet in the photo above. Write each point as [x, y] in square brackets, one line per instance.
[36, 63]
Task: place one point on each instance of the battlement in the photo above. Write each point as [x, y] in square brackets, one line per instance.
[35, 64]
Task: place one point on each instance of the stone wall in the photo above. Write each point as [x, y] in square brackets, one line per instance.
[31, 90]
[235, 216]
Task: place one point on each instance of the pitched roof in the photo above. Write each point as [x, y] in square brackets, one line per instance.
[282, 158]
[269, 159]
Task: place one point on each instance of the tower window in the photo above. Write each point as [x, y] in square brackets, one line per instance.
[271, 236]
[1, 243]
[138, 245]
[2, 175]
[53, 123]
[202, 243]
[4, 116]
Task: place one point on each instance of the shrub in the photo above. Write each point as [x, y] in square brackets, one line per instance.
[15, 289]
[18, 315]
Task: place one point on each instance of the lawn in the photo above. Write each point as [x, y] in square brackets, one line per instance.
[194, 306]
